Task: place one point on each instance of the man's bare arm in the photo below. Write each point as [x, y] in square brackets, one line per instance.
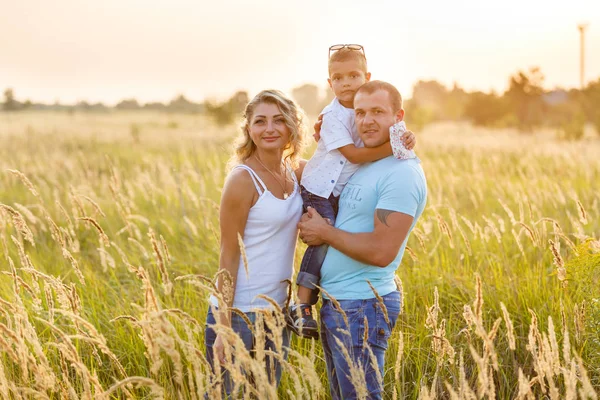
[378, 248]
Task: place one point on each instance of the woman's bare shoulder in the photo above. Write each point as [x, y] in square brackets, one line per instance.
[301, 164]
[239, 185]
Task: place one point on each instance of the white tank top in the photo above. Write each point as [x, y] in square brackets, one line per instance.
[270, 241]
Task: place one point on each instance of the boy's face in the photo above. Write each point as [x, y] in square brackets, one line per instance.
[345, 78]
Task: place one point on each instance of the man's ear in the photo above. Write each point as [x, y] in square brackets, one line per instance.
[367, 77]
[400, 115]
[329, 82]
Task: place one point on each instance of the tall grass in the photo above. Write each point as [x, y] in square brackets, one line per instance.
[109, 248]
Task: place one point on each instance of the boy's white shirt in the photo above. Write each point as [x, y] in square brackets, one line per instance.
[328, 171]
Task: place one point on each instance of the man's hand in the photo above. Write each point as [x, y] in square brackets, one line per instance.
[409, 140]
[312, 226]
[317, 127]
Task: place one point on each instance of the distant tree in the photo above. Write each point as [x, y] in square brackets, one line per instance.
[155, 106]
[83, 105]
[237, 102]
[431, 97]
[10, 104]
[128, 104]
[485, 109]
[591, 101]
[524, 97]
[456, 101]
[225, 113]
[182, 104]
[307, 96]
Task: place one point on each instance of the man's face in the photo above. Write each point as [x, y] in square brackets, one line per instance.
[374, 115]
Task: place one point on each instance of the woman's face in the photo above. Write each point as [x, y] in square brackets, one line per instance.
[267, 127]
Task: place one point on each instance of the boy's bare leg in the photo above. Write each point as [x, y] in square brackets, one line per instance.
[304, 295]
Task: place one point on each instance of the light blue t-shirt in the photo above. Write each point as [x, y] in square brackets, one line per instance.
[388, 184]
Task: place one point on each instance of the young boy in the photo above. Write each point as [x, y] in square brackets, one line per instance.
[338, 155]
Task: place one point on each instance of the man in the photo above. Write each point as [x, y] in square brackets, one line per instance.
[378, 209]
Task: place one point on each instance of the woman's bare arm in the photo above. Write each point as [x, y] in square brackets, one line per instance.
[239, 194]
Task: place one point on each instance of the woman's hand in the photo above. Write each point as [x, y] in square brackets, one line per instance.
[219, 349]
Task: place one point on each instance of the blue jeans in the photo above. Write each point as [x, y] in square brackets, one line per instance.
[310, 268]
[241, 328]
[379, 331]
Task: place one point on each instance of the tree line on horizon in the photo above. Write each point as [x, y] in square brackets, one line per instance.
[525, 105]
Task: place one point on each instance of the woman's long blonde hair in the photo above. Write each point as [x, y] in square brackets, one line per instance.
[294, 119]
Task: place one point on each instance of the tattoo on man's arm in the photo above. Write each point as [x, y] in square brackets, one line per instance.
[383, 215]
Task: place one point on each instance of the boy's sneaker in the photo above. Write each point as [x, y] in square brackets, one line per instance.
[299, 318]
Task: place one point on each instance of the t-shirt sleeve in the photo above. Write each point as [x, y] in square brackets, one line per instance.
[401, 191]
[334, 133]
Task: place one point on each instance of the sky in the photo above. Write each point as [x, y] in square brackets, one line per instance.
[153, 50]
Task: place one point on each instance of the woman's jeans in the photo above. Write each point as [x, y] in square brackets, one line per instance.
[310, 268]
[378, 332]
[241, 328]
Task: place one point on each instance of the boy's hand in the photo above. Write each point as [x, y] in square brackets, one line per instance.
[317, 127]
[409, 140]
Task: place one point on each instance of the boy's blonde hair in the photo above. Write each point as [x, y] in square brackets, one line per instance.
[294, 119]
[347, 54]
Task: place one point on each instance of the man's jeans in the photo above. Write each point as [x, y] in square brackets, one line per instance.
[241, 328]
[310, 268]
[353, 338]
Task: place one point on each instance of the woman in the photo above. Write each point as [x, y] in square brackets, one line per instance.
[261, 202]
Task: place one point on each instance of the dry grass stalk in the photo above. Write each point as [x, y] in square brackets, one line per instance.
[579, 319]
[166, 282]
[19, 223]
[103, 235]
[510, 331]
[25, 181]
[530, 233]
[155, 390]
[243, 253]
[336, 305]
[400, 288]
[412, 254]
[165, 248]
[94, 204]
[67, 255]
[524, 387]
[441, 346]
[582, 214]
[398, 364]
[357, 378]
[140, 247]
[380, 302]
[518, 242]
[493, 228]
[445, 229]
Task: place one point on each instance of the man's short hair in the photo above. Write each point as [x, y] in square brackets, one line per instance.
[373, 86]
[347, 54]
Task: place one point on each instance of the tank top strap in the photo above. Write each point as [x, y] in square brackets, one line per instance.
[291, 171]
[258, 183]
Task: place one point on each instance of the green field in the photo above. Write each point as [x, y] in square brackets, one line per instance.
[108, 215]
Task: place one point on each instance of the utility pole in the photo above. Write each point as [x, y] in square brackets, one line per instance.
[581, 28]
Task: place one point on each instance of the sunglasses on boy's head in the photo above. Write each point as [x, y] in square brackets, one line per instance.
[355, 47]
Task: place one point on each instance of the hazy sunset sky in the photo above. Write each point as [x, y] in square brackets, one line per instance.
[154, 49]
